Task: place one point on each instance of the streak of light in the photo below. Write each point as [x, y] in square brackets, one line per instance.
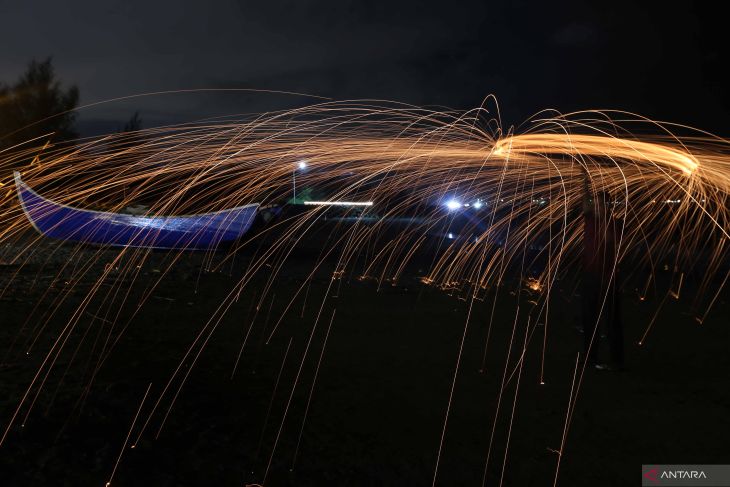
[338, 203]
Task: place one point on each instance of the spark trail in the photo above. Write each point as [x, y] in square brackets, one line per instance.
[669, 193]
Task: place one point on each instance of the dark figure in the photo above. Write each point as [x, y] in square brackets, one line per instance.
[601, 299]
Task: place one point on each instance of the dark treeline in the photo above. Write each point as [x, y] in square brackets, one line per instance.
[37, 105]
[39, 109]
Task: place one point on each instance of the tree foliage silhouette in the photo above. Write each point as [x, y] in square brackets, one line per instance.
[37, 105]
[134, 124]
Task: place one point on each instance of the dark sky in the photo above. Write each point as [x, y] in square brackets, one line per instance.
[664, 61]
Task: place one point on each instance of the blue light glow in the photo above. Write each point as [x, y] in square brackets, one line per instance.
[453, 205]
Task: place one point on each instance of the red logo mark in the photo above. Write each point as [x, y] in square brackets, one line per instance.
[651, 474]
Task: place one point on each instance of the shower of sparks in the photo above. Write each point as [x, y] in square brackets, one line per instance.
[670, 195]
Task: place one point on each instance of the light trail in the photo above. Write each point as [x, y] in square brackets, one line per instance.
[522, 192]
[338, 203]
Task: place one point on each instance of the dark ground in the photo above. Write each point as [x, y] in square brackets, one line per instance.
[380, 397]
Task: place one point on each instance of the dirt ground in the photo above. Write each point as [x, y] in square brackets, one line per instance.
[374, 415]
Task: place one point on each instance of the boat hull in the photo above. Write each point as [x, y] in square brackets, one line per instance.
[205, 231]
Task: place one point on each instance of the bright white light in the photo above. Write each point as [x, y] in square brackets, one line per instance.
[451, 236]
[302, 164]
[478, 204]
[453, 205]
[339, 203]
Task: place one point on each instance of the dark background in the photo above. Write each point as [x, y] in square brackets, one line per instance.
[663, 60]
[379, 400]
[375, 411]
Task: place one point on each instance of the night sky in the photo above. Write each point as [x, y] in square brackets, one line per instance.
[664, 61]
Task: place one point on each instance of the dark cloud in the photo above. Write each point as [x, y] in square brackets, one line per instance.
[666, 62]
[576, 34]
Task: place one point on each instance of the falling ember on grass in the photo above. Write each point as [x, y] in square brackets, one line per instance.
[519, 195]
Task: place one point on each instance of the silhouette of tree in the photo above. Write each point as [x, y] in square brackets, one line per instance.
[134, 124]
[36, 105]
[130, 135]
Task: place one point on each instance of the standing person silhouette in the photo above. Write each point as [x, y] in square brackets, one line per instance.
[601, 300]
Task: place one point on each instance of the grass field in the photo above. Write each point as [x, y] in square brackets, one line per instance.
[377, 407]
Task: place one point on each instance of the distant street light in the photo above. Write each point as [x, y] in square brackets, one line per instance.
[301, 165]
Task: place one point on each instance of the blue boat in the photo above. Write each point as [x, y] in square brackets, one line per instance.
[205, 231]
